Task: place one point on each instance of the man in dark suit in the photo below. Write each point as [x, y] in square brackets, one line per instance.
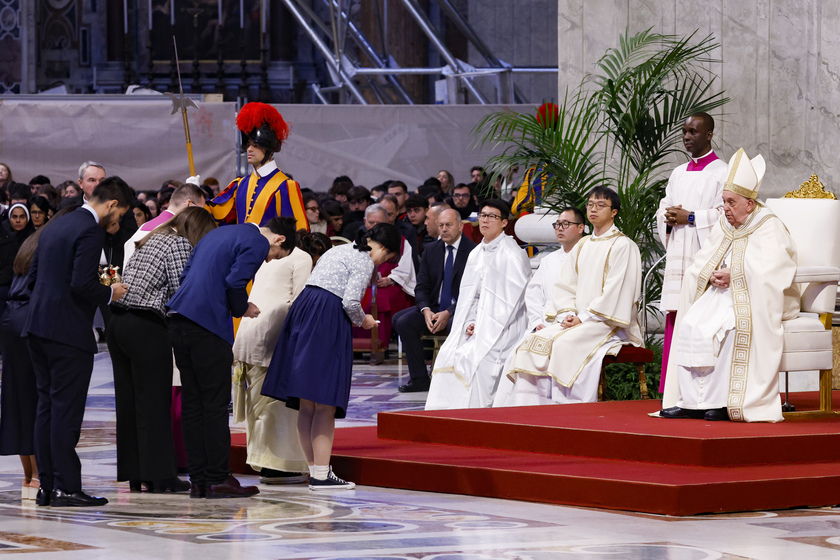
[213, 289]
[65, 293]
[438, 283]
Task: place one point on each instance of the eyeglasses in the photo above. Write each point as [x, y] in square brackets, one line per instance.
[489, 216]
[37, 213]
[461, 195]
[312, 208]
[564, 224]
[597, 206]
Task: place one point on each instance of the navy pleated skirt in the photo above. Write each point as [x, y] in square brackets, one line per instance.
[313, 359]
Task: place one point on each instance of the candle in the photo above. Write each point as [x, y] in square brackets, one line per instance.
[172, 13]
[220, 13]
[125, 16]
[150, 15]
[241, 14]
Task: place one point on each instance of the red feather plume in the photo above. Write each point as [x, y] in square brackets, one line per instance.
[548, 114]
[254, 114]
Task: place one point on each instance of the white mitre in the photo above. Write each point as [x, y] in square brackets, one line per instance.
[744, 175]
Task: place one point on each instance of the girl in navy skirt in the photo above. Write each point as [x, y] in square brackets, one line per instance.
[312, 363]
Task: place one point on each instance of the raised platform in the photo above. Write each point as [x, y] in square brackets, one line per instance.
[608, 455]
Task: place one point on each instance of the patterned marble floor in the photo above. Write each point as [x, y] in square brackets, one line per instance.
[372, 523]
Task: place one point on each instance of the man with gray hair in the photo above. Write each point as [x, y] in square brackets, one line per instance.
[90, 173]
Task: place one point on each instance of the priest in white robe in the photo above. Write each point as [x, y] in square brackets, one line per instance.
[539, 294]
[691, 207]
[594, 311]
[728, 338]
[490, 317]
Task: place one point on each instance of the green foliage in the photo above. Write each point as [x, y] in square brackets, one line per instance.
[620, 128]
[623, 380]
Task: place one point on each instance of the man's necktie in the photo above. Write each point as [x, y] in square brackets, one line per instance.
[446, 286]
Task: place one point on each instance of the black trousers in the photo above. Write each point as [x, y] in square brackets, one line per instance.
[411, 325]
[204, 361]
[142, 358]
[62, 374]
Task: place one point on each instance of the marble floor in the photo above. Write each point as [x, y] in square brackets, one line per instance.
[371, 523]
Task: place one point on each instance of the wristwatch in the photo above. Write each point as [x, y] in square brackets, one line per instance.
[691, 219]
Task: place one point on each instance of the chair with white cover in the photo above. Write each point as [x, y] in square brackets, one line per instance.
[812, 216]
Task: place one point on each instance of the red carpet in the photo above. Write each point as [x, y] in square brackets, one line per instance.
[608, 455]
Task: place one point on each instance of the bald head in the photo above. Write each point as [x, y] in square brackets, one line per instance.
[431, 220]
[449, 225]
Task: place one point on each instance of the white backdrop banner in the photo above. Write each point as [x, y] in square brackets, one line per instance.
[140, 141]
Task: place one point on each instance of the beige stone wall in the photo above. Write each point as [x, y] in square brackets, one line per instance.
[781, 67]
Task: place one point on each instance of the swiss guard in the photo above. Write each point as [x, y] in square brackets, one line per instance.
[267, 192]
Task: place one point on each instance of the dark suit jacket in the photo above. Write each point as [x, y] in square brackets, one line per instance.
[430, 275]
[64, 281]
[114, 244]
[214, 281]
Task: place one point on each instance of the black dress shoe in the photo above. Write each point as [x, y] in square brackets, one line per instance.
[416, 386]
[135, 486]
[230, 488]
[43, 497]
[677, 412]
[716, 415]
[198, 490]
[173, 484]
[60, 498]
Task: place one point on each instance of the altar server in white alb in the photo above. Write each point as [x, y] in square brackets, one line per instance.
[727, 343]
[490, 317]
[593, 312]
[692, 205]
[539, 296]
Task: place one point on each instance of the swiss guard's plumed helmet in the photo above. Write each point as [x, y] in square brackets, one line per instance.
[263, 125]
[547, 115]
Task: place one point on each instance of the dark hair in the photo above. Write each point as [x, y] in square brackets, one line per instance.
[470, 186]
[579, 216]
[341, 185]
[113, 188]
[476, 168]
[39, 180]
[316, 244]
[23, 260]
[19, 191]
[500, 205]
[143, 208]
[309, 197]
[434, 182]
[606, 193]
[385, 234]
[417, 201]
[332, 208]
[284, 226]
[155, 202]
[708, 120]
[437, 197]
[166, 191]
[50, 193]
[170, 184]
[42, 203]
[186, 192]
[399, 184]
[165, 199]
[358, 194]
[208, 192]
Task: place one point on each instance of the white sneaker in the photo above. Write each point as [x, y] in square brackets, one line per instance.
[332, 482]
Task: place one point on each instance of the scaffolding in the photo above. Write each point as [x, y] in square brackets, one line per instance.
[381, 79]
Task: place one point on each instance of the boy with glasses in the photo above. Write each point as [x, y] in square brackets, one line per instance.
[593, 311]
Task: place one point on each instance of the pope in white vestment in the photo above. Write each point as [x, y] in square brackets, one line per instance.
[272, 436]
[468, 368]
[728, 337]
[594, 311]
